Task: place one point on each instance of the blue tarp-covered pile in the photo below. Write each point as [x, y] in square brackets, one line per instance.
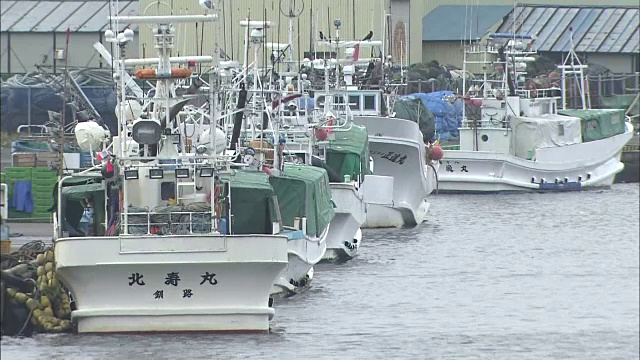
[448, 116]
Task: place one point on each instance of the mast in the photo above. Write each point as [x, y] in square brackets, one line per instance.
[294, 9]
[573, 65]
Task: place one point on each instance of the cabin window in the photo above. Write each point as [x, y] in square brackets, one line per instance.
[168, 190]
[561, 130]
[354, 102]
[369, 102]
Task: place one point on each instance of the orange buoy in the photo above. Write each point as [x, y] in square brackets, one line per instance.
[176, 73]
[321, 134]
[436, 152]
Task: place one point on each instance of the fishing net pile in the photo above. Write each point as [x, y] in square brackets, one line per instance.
[171, 219]
[431, 76]
[33, 300]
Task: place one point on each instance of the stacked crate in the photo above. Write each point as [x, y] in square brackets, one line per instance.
[42, 182]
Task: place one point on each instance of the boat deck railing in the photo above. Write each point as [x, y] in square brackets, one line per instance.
[485, 123]
[547, 93]
[169, 222]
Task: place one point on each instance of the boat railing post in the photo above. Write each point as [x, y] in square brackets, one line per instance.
[59, 210]
[229, 222]
[212, 202]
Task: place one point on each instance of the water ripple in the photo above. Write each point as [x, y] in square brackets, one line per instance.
[526, 276]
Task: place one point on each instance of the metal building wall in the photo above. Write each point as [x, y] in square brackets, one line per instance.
[4, 52]
[449, 52]
[30, 48]
[400, 30]
[617, 63]
[358, 17]
[420, 8]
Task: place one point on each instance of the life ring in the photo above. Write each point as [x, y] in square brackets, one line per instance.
[176, 73]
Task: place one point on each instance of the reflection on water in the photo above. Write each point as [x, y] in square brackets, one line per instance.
[525, 276]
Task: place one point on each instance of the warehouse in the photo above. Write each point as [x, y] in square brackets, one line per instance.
[34, 32]
[606, 36]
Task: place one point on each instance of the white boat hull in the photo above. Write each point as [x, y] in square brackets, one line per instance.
[343, 241]
[398, 150]
[563, 168]
[165, 283]
[303, 253]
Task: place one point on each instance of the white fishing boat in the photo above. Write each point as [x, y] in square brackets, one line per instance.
[260, 132]
[402, 161]
[342, 146]
[516, 139]
[399, 153]
[188, 244]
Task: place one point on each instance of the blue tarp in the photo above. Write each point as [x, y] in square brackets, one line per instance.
[448, 116]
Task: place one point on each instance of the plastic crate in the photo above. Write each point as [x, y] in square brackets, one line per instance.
[42, 197]
[47, 202]
[15, 214]
[41, 214]
[41, 189]
[43, 174]
[18, 173]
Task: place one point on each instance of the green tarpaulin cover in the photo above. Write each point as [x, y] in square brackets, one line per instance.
[598, 124]
[81, 192]
[252, 203]
[79, 188]
[414, 110]
[304, 191]
[348, 153]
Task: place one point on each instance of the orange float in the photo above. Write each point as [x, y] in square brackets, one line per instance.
[176, 73]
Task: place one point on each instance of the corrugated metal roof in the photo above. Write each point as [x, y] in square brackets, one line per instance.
[56, 16]
[438, 24]
[85, 11]
[632, 45]
[13, 14]
[595, 29]
[34, 17]
[98, 21]
[6, 5]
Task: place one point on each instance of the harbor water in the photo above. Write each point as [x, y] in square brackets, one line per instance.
[514, 276]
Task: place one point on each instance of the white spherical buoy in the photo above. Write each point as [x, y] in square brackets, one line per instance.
[128, 34]
[89, 135]
[220, 141]
[132, 110]
[109, 35]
